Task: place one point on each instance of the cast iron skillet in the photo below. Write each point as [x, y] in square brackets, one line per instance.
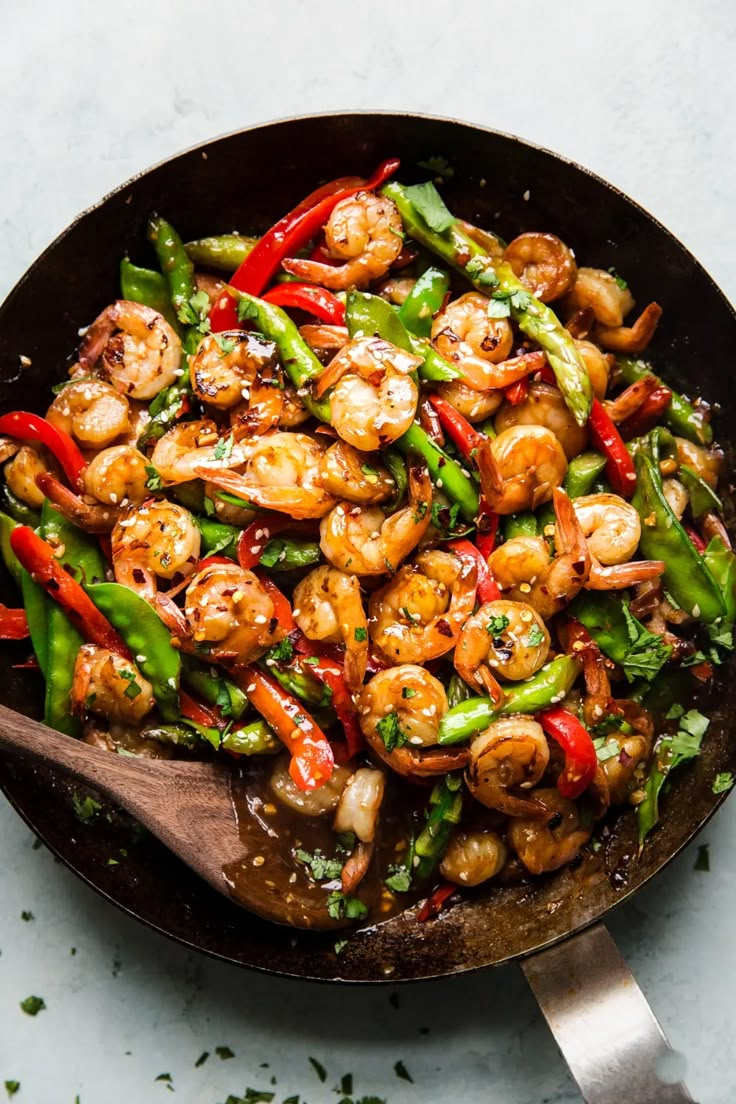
[246, 181]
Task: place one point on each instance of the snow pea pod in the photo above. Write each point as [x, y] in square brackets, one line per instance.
[367, 315]
[446, 473]
[144, 285]
[176, 266]
[582, 472]
[225, 252]
[213, 688]
[686, 576]
[681, 416]
[11, 561]
[519, 525]
[218, 538]
[424, 301]
[148, 639]
[702, 497]
[722, 564]
[37, 605]
[547, 687]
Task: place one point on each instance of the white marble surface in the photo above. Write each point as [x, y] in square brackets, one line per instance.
[91, 93]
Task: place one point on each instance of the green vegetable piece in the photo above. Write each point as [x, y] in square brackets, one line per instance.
[218, 539]
[582, 472]
[396, 465]
[281, 554]
[547, 687]
[723, 782]
[12, 1087]
[424, 301]
[148, 639]
[298, 681]
[367, 315]
[9, 558]
[17, 509]
[519, 525]
[37, 605]
[165, 411]
[225, 252]
[619, 635]
[176, 267]
[681, 416]
[33, 1005]
[390, 731]
[443, 813]
[457, 691]
[143, 285]
[669, 753]
[686, 575]
[443, 469]
[341, 905]
[702, 497]
[208, 683]
[430, 205]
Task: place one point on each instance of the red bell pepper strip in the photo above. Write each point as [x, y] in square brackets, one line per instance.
[311, 298]
[38, 558]
[517, 392]
[196, 711]
[696, 538]
[31, 427]
[580, 755]
[485, 537]
[281, 605]
[13, 624]
[457, 428]
[256, 536]
[312, 760]
[333, 676]
[287, 237]
[435, 902]
[487, 587]
[210, 561]
[606, 438]
[648, 414]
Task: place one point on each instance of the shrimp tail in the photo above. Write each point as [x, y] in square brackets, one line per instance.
[334, 277]
[572, 539]
[356, 867]
[619, 576]
[491, 479]
[631, 339]
[92, 518]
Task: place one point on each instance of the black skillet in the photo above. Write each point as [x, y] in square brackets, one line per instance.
[245, 181]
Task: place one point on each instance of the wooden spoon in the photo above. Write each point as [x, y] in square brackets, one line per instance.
[188, 806]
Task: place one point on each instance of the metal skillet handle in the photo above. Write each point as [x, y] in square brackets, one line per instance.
[601, 1021]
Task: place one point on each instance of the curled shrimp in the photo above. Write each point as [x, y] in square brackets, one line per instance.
[357, 812]
[552, 842]
[676, 496]
[598, 290]
[365, 232]
[324, 339]
[312, 803]
[634, 338]
[328, 607]
[418, 614]
[156, 540]
[545, 406]
[92, 517]
[23, 471]
[473, 857]
[238, 369]
[139, 351]
[113, 479]
[281, 472]
[503, 638]
[596, 365]
[705, 462]
[191, 448]
[293, 410]
[474, 405]
[363, 541]
[612, 529]
[355, 476]
[520, 468]
[408, 704]
[102, 683]
[629, 401]
[476, 344]
[543, 263]
[374, 398]
[229, 614]
[506, 759]
[91, 411]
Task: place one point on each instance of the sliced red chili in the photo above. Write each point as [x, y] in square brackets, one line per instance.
[30, 427]
[436, 902]
[13, 624]
[606, 438]
[310, 298]
[580, 754]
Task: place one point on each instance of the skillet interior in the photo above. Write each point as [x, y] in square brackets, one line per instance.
[245, 181]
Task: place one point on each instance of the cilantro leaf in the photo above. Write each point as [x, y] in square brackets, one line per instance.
[445, 516]
[399, 879]
[497, 623]
[647, 653]
[226, 344]
[619, 279]
[195, 312]
[390, 732]
[723, 782]
[85, 807]
[33, 1005]
[408, 692]
[320, 866]
[340, 945]
[224, 1052]
[676, 710]
[361, 635]
[535, 637]
[282, 652]
[431, 206]
[612, 722]
[695, 723]
[224, 448]
[318, 1068]
[11, 1087]
[478, 269]
[499, 306]
[271, 554]
[341, 905]
[154, 481]
[401, 1071]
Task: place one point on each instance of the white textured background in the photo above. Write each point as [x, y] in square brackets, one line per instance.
[641, 92]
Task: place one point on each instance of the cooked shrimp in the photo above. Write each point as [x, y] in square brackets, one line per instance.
[465, 335]
[311, 803]
[92, 517]
[363, 230]
[139, 351]
[508, 637]
[629, 401]
[90, 411]
[553, 842]
[359, 804]
[230, 615]
[324, 339]
[474, 405]
[157, 539]
[676, 495]
[396, 289]
[227, 364]
[473, 857]
[373, 399]
[705, 462]
[523, 567]
[190, 449]
[610, 525]
[355, 476]
[543, 263]
[22, 471]
[328, 607]
[598, 290]
[105, 683]
[520, 468]
[596, 365]
[363, 541]
[485, 238]
[634, 338]
[8, 447]
[293, 410]
[117, 476]
[418, 614]
[510, 756]
[281, 472]
[400, 710]
[545, 406]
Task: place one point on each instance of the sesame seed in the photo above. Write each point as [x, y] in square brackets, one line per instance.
[26, 362]
[524, 588]
[259, 860]
[251, 688]
[140, 659]
[260, 619]
[296, 612]
[526, 196]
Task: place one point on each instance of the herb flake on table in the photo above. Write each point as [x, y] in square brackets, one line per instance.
[11, 1087]
[224, 1052]
[33, 1005]
[202, 1059]
[401, 1071]
[702, 861]
[27, 915]
[318, 1068]
[722, 782]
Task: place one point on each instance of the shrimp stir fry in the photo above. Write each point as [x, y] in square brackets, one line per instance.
[398, 539]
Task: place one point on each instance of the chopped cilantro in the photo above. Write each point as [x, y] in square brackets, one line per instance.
[441, 167]
[606, 749]
[430, 205]
[27, 915]
[85, 808]
[321, 868]
[695, 723]
[227, 344]
[420, 511]
[497, 624]
[202, 1059]
[209, 506]
[361, 635]
[340, 946]
[647, 653]
[11, 1087]
[246, 310]
[390, 732]
[194, 313]
[318, 1068]
[283, 651]
[401, 1071]
[409, 616]
[399, 879]
[674, 712]
[163, 1077]
[408, 692]
[702, 861]
[311, 661]
[271, 554]
[612, 722]
[501, 302]
[224, 1052]
[723, 782]
[153, 478]
[445, 517]
[535, 637]
[341, 905]
[619, 279]
[477, 269]
[33, 1005]
[224, 448]
[346, 1085]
